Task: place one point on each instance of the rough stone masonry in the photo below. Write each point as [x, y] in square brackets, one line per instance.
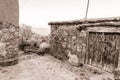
[93, 41]
[9, 30]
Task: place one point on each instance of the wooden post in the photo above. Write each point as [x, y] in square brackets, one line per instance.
[116, 71]
[87, 48]
[87, 9]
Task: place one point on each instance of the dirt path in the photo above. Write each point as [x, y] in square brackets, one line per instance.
[47, 68]
[40, 68]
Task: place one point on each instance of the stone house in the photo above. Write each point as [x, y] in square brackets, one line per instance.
[93, 41]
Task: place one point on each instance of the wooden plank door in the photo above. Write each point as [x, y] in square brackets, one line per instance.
[103, 50]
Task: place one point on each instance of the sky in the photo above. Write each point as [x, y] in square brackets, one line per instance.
[38, 13]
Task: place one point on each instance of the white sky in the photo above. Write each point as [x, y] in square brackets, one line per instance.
[38, 13]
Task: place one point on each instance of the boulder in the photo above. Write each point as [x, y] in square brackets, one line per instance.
[44, 48]
[73, 59]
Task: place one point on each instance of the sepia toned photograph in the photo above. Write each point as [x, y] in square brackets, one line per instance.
[59, 40]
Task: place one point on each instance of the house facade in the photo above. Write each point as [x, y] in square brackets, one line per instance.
[93, 41]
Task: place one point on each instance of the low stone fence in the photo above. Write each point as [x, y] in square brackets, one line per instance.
[9, 40]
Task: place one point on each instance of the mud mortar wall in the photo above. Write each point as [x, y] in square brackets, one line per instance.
[9, 37]
[65, 39]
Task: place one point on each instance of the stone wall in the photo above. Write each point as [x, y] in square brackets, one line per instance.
[65, 39]
[9, 40]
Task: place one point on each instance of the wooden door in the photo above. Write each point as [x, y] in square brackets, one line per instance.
[103, 50]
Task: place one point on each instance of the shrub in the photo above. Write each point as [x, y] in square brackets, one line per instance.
[32, 42]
